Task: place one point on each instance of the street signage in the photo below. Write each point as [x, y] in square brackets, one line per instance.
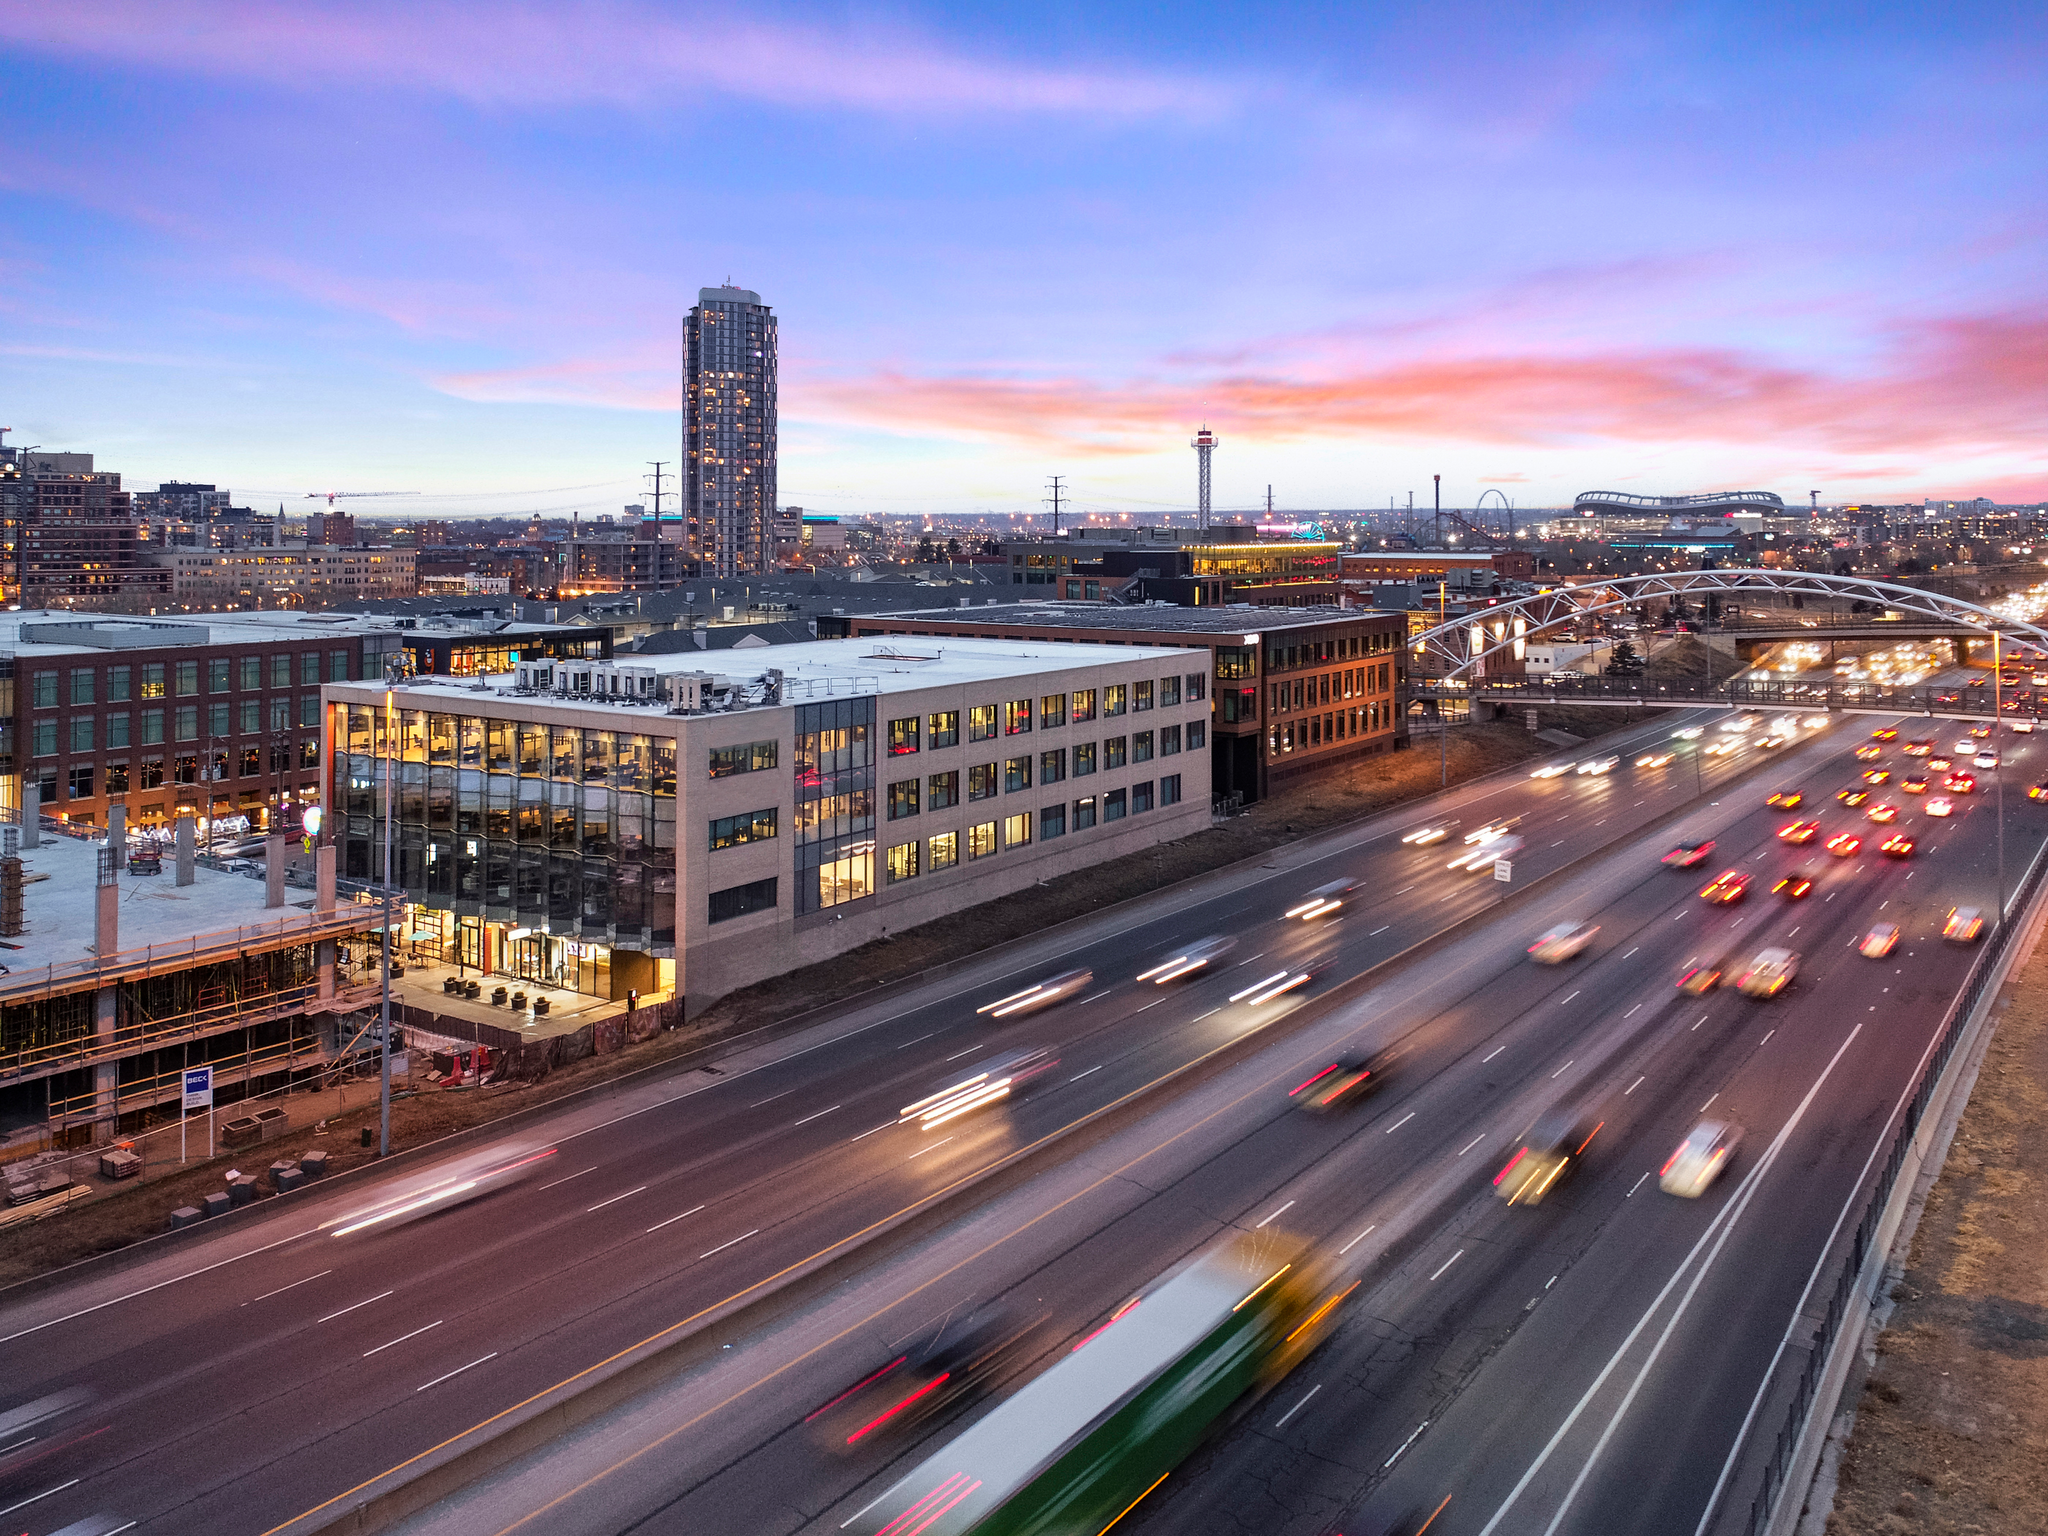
[199, 1087]
[1503, 870]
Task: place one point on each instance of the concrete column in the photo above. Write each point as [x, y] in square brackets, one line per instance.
[106, 1075]
[117, 834]
[31, 813]
[323, 878]
[323, 963]
[273, 870]
[188, 849]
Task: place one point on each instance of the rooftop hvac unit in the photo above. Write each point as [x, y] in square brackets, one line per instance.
[683, 690]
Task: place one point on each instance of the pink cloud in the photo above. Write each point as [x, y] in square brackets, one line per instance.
[617, 52]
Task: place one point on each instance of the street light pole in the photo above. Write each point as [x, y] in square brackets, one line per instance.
[390, 816]
[1997, 714]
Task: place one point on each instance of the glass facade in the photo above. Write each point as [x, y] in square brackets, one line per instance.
[835, 803]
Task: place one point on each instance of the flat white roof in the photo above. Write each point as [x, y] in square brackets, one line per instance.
[132, 631]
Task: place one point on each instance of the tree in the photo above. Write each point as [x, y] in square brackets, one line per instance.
[925, 551]
[1623, 658]
[952, 549]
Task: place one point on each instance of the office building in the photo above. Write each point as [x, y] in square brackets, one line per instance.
[656, 826]
[1191, 567]
[729, 432]
[286, 578]
[334, 529]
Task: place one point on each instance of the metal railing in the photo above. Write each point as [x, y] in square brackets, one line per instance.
[1741, 693]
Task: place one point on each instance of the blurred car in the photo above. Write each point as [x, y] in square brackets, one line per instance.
[1980, 732]
[1562, 942]
[442, 1187]
[1852, 796]
[1959, 783]
[2038, 790]
[1721, 748]
[1654, 760]
[1913, 784]
[1422, 837]
[1922, 747]
[1701, 979]
[1794, 887]
[1741, 725]
[1700, 1158]
[1770, 973]
[1598, 765]
[1552, 771]
[1042, 994]
[1486, 855]
[1188, 959]
[1816, 722]
[1986, 759]
[1883, 813]
[1897, 846]
[1965, 925]
[987, 1082]
[1785, 800]
[1727, 888]
[1939, 765]
[1885, 733]
[957, 1363]
[1880, 941]
[1324, 900]
[1844, 844]
[2024, 726]
[1277, 985]
[1685, 855]
[1939, 806]
[1965, 749]
[1344, 1081]
[1493, 831]
[1877, 775]
[1799, 831]
[1689, 732]
[1869, 754]
[1551, 1150]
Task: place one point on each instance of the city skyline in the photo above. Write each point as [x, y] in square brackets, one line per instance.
[374, 249]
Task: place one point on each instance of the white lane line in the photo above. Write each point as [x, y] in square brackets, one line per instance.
[1079, 1075]
[1472, 1143]
[1404, 890]
[1767, 1037]
[1358, 1239]
[1795, 929]
[1259, 956]
[1447, 1264]
[906, 1045]
[1153, 1004]
[1378, 931]
[920, 1152]
[437, 1322]
[1633, 1011]
[24, 1504]
[1558, 844]
[864, 1135]
[1704, 1107]
[1560, 1072]
[1491, 1054]
[723, 1246]
[576, 1175]
[1201, 1016]
[1282, 1211]
[1290, 1413]
[1631, 951]
[771, 1098]
[283, 1288]
[1637, 1185]
[821, 1114]
[1404, 1445]
[968, 1052]
[1400, 1122]
[1096, 998]
[615, 1199]
[1702, 1020]
[1568, 997]
[693, 1210]
[456, 1372]
[1632, 1087]
[344, 1312]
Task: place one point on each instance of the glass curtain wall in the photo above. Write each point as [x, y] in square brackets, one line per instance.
[835, 803]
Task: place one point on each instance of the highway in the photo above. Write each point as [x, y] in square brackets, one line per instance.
[305, 1364]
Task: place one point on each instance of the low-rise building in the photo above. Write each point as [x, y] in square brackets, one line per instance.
[318, 575]
[656, 826]
[1190, 567]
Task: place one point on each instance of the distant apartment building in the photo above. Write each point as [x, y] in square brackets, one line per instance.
[337, 529]
[68, 532]
[178, 501]
[271, 578]
[620, 562]
[729, 432]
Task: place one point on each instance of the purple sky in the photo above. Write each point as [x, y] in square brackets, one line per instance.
[444, 247]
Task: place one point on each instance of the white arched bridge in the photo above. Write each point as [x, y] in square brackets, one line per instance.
[1450, 661]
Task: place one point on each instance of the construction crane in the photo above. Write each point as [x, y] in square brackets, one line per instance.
[334, 496]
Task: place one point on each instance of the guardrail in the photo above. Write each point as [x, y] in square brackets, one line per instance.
[1854, 1290]
[1791, 693]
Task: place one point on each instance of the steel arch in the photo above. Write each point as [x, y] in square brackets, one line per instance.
[1626, 590]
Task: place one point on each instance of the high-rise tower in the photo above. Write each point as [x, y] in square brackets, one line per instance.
[1204, 444]
[729, 429]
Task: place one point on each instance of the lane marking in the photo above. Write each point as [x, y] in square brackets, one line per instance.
[1404, 1445]
[1702, 1020]
[577, 1175]
[821, 1114]
[1096, 998]
[24, 1504]
[774, 1096]
[1560, 1072]
[1472, 1143]
[1632, 1087]
[1400, 1122]
[1490, 1055]
[864, 1135]
[437, 1322]
[1631, 951]
[456, 1372]
[740, 1239]
[283, 1288]
[906, 1045]
[693, 1210]
[1767, 1037]
[968, 1052]
[1079, 1075]
[1563, 1000]
[1633, 1011]
[1703, 1107]
[344, 1312]
[615, 1199]
[920, 1152]
[1358, 1239]
[1283, 1209]
[1637, 1185]
[1447, 1264]
[1290, 1413]
[1378, 931]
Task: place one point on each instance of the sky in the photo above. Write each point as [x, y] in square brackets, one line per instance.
[444, 248]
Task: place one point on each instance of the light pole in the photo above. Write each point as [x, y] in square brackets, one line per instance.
[390, 816]
[1997, 714]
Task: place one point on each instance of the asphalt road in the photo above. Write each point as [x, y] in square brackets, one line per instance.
[305, 1364]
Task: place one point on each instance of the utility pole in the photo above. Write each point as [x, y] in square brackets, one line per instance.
[1058, 490]
[1439, 479]
[658, 477]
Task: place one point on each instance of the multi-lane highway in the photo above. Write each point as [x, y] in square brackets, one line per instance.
[259, 1372]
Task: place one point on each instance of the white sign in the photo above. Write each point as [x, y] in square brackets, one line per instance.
[199, 1087]
[1503, 870]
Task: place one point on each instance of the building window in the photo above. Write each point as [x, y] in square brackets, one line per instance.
[117, 729]
[337, 666]
[902, 862]
[117, 685]
[280, 671]
[903, 799]
[152, 726]
[117, 778]
[981, 781]
[981, 840]
[1052, 822]
[944, 791]
[752, 827]
[280, 714]
[188, 679]
[1016, 717]
[152, 680]
[81, 733]
[309, 669]
[188, 722]
[1017, 830]
[1198, 735]
[981, 722]
[1169, 740]
[217, 720]
[1113, 752]
[252, 717]
[1169, 692]
[252, 762]
[46, 690]
[1084, 705]
[82, 679]
[903, 736]
[1169, 790]
[1236, 662]
[218, 669]
[309, 752]
[1113, 701]
[848, 877]
[1016, 774]
[185, 769]
[1052, 766]
[1198, 686]
[1052, 710]
[1084, 758]
[252, 673]
[1141, 696]
[739, 900]
[1113, 806]
[152, 773]
[944, 851]
[748, 757]
[945, 728]
[1141, 797]
[45, 738]
[309, 710]
[1084, 813]
[81, 782]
